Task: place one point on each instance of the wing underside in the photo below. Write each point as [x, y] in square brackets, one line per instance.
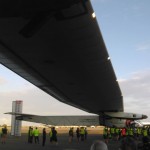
[59, 120]
[59, 48]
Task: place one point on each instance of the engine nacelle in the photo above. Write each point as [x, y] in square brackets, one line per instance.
[119, 119]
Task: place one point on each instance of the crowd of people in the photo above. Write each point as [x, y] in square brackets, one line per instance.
[137, 135]
[81, 134]
[128, 137]
[34, 134]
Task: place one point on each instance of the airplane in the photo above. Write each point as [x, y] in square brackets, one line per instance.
[110, 119]
[58, 47]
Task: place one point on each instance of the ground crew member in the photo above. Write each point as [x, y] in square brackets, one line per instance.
[44, 137]
[82, 132]
[117, 133]
[112, 131]
[145, 133]
[78, 134]
[148, 130]
[127, 131]
[85, 133]
[4, 134]
[50, 135]
[70, 134]
[36, 135]
[139, 132]
[105, 135]
[145, 137]
[54, 135]
[30, 135]
[123, 132]
[130, 132]
[135, 132]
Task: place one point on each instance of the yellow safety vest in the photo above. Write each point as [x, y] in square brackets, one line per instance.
[82, 131]
[117, 130]
[50, 133]
[112, 130]
[131, 132]
[105, 132]
[145, 132]
[139, 130]
[36, 132]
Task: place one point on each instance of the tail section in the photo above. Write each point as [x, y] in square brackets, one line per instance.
[16, 124]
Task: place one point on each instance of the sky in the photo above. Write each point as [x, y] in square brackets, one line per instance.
[125, 26]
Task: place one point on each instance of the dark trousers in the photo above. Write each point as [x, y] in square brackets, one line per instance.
[36, 139]
[44, 140]
[82, 137]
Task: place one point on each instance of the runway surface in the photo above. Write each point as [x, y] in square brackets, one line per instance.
[20, 143]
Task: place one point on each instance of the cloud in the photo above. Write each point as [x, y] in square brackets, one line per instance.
[143, 46]
[136, 92]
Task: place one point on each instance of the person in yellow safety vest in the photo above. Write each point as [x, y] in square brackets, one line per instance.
[127, 131]
[36, 135]
[85, 133]
[145, 136]
[117, 133]
[139, 132]
[50, 134]
[30, 135]
[105, 135]
[82, 132]
[130, 132]
[148, 130]
[145, 133]
[112, 131]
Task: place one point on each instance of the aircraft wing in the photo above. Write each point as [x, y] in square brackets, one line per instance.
[58, 120]
[58, 47]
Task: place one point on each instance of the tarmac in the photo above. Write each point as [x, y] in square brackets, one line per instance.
[20, 143]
